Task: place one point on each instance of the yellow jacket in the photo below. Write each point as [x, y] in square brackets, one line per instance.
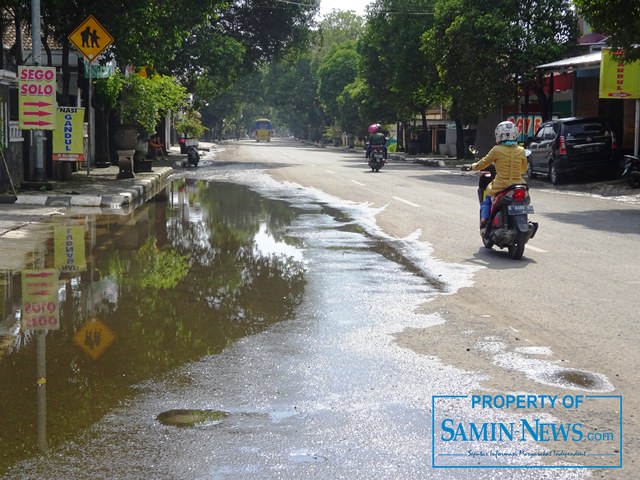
[510, 162]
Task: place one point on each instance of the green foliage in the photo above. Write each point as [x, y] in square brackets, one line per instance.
[219, 60]
[140, 101]
[336, 29]
[331, 132]
[163, 269]
[338, 70]
[190, 124]
[206, 44]
[496, 45]
[157, 268]
[618, 18]
[392, 61]
[292, 89]
[349, 102]
[470, 40]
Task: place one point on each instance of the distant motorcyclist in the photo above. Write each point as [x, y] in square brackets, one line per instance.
[376, 138]
[510, 163]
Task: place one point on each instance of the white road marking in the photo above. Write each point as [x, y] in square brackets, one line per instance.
[535, 249]
[358, 183]
[406, 201]
[329, 171]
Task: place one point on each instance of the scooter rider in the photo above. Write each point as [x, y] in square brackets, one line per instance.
[376, 138]
[510, 163]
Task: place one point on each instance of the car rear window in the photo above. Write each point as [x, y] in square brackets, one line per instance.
[585, 128]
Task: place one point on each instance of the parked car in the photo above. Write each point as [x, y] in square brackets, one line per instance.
[569, 146]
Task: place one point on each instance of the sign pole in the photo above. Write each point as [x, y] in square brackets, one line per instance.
[36, 54]
[91, 39]
[41, 372]
[637, 133]
[90, 119]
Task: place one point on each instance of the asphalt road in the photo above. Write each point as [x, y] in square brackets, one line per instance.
[571, 297]
[307, 402]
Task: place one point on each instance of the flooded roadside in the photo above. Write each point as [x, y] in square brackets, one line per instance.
[325, 394]
[180, 278]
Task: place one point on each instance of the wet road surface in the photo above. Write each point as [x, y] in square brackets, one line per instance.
[318, 388]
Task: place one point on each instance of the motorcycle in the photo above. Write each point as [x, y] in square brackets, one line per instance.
[376, 158]
[508, 225]
[632, 170]
[193, 157]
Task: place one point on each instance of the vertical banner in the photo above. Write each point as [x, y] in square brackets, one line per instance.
[69, 248]
[37, 97]
[40, 309]
[68, 145]
[618, 79]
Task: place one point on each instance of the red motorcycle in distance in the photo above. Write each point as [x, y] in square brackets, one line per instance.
[508, 226]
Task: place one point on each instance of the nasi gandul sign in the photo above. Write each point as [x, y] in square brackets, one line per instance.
[90, 38]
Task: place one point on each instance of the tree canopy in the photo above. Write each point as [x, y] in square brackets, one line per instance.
[618, 18]
[245, 59]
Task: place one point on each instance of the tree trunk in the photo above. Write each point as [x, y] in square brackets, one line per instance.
[543, 99]
[101, 129]
[424, 148]
[459, 140]
[66, 74]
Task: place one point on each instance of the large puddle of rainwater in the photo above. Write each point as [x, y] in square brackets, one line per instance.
[224, 331]
[107, 301]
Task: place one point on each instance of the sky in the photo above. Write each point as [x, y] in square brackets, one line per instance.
[358, 6]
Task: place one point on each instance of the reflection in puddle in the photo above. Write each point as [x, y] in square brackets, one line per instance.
[192, 418]
[578, 379]
[540, 370]
[122, 299]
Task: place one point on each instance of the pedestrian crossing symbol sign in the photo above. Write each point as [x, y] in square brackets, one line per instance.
[94, 337]
[90, 38]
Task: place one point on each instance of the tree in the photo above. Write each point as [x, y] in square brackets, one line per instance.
[335, 29]
[292, 88]
[392, 61]
[338, 70]
[618, 18]
[267, 29]
[189, 38]
[471, 42]
[140, 101]
[544, 31]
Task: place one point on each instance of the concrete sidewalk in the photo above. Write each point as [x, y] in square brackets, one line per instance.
[100, 187]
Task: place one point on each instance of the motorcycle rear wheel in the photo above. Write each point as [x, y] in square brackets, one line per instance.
[633, 179]
[516, 249]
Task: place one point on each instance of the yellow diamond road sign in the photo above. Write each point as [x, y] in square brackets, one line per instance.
[94, 337]
[90, 38]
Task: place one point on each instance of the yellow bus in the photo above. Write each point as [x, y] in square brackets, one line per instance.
[263, 130]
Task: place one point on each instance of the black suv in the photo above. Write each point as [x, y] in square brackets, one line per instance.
[572, 145]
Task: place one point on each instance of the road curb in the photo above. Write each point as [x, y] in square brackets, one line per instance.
[115, 193]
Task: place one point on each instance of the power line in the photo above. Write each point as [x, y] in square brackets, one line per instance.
[387, 12]
[289, 2]
[392, 12]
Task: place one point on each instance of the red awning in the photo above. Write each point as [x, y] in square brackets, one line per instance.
[561, 82]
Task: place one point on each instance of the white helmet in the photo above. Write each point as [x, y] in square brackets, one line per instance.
[506, 131]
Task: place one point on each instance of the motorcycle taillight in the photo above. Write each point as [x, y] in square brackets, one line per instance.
[563, 146]
[519, 194]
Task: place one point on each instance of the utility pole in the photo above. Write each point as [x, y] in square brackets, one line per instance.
[36, 55]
